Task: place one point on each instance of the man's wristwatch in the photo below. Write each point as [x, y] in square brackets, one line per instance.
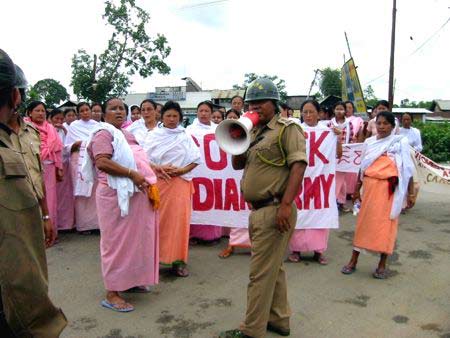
[45, 217]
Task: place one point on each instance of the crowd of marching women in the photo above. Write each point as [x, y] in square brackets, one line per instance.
[127, 172]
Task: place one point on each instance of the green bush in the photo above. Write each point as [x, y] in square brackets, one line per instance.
[436, 140]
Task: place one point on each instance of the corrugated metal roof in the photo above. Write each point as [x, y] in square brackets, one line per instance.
[443, 104]
[411, 110]
[227, 94]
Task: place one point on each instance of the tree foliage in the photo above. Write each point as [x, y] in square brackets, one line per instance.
[406, 103]
[330, 82]
[250, 77]
[49, 91]
[435, 140]
[130, 51]
[369, 96]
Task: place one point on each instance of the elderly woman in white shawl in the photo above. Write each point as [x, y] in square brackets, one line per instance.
[173, 150]
[386, 179]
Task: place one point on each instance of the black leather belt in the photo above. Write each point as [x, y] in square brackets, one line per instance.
[265, 203]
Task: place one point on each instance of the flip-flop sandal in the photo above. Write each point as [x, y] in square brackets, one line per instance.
[226, 253]
[322, 260]
[180, 271]
[294, 258]
[115, 307]
[348, 270]
[380, 275]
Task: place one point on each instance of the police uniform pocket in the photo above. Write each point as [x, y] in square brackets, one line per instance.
[270, 152]
[15, 190]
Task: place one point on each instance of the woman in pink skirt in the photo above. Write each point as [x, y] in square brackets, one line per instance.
[128, 223]
[64, 189]
[311, 240]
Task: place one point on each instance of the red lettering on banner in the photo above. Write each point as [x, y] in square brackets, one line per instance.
[317, 190]
[196, 141]
[218, 197]
[357, 160]
[222, 163]
[231, 195]
[326, 186]
[345, 156]
[314, 146]
[312, 191]
[208, 203]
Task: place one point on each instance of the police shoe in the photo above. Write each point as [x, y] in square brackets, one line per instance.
[281, 331]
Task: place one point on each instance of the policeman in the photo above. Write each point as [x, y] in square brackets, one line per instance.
[26, 140]
[23, 268]
[274, 166]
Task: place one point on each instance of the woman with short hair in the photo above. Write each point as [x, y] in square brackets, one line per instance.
[127, 219]
[170, 148]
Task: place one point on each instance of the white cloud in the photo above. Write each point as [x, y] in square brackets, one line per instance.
[216, 44]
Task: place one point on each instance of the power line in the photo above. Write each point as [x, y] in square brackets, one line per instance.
[203, 4]
[416, 50]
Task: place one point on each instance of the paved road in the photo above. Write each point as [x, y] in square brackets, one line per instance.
[414, 302]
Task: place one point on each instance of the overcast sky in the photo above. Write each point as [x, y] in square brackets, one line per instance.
[217, 44]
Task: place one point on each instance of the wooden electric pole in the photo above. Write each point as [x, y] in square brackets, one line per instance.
[391, 67]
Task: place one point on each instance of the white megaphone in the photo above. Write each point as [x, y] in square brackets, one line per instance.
[233, 136]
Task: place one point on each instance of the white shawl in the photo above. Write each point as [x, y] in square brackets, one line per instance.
[139, 130]
[122, 155]
[196, 124]
[397, 148]
[172, 146]
[345, 125]
[79, 130]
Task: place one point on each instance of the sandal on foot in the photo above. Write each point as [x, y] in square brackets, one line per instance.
[294, 257]
[180, 271]
[380, 274]
[227, 252]
[321, 259]
[117, 306]
[348, 270]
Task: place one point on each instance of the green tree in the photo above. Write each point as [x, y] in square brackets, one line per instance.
[330, 82]
[369, 96]
[48, 90]
[406, 103]
[280, 83]
[130, 50]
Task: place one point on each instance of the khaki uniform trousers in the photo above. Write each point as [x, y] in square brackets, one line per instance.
[267, 291]
[23, 276]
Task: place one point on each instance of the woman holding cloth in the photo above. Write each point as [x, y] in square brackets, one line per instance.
[50, 153]
[75, 143]
[128, 223]
[315, 240]
[170, 148]
[386, 177]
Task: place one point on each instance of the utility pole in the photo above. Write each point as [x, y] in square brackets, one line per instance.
[391, 67]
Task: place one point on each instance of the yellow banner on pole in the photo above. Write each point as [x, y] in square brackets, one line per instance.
[351, 88]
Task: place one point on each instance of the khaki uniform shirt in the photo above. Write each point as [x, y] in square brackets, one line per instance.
[27, 142]
[260, 180]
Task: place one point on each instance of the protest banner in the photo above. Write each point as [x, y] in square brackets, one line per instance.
[351, 88]
[218, 201]
[434, 177]
[351, 158]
